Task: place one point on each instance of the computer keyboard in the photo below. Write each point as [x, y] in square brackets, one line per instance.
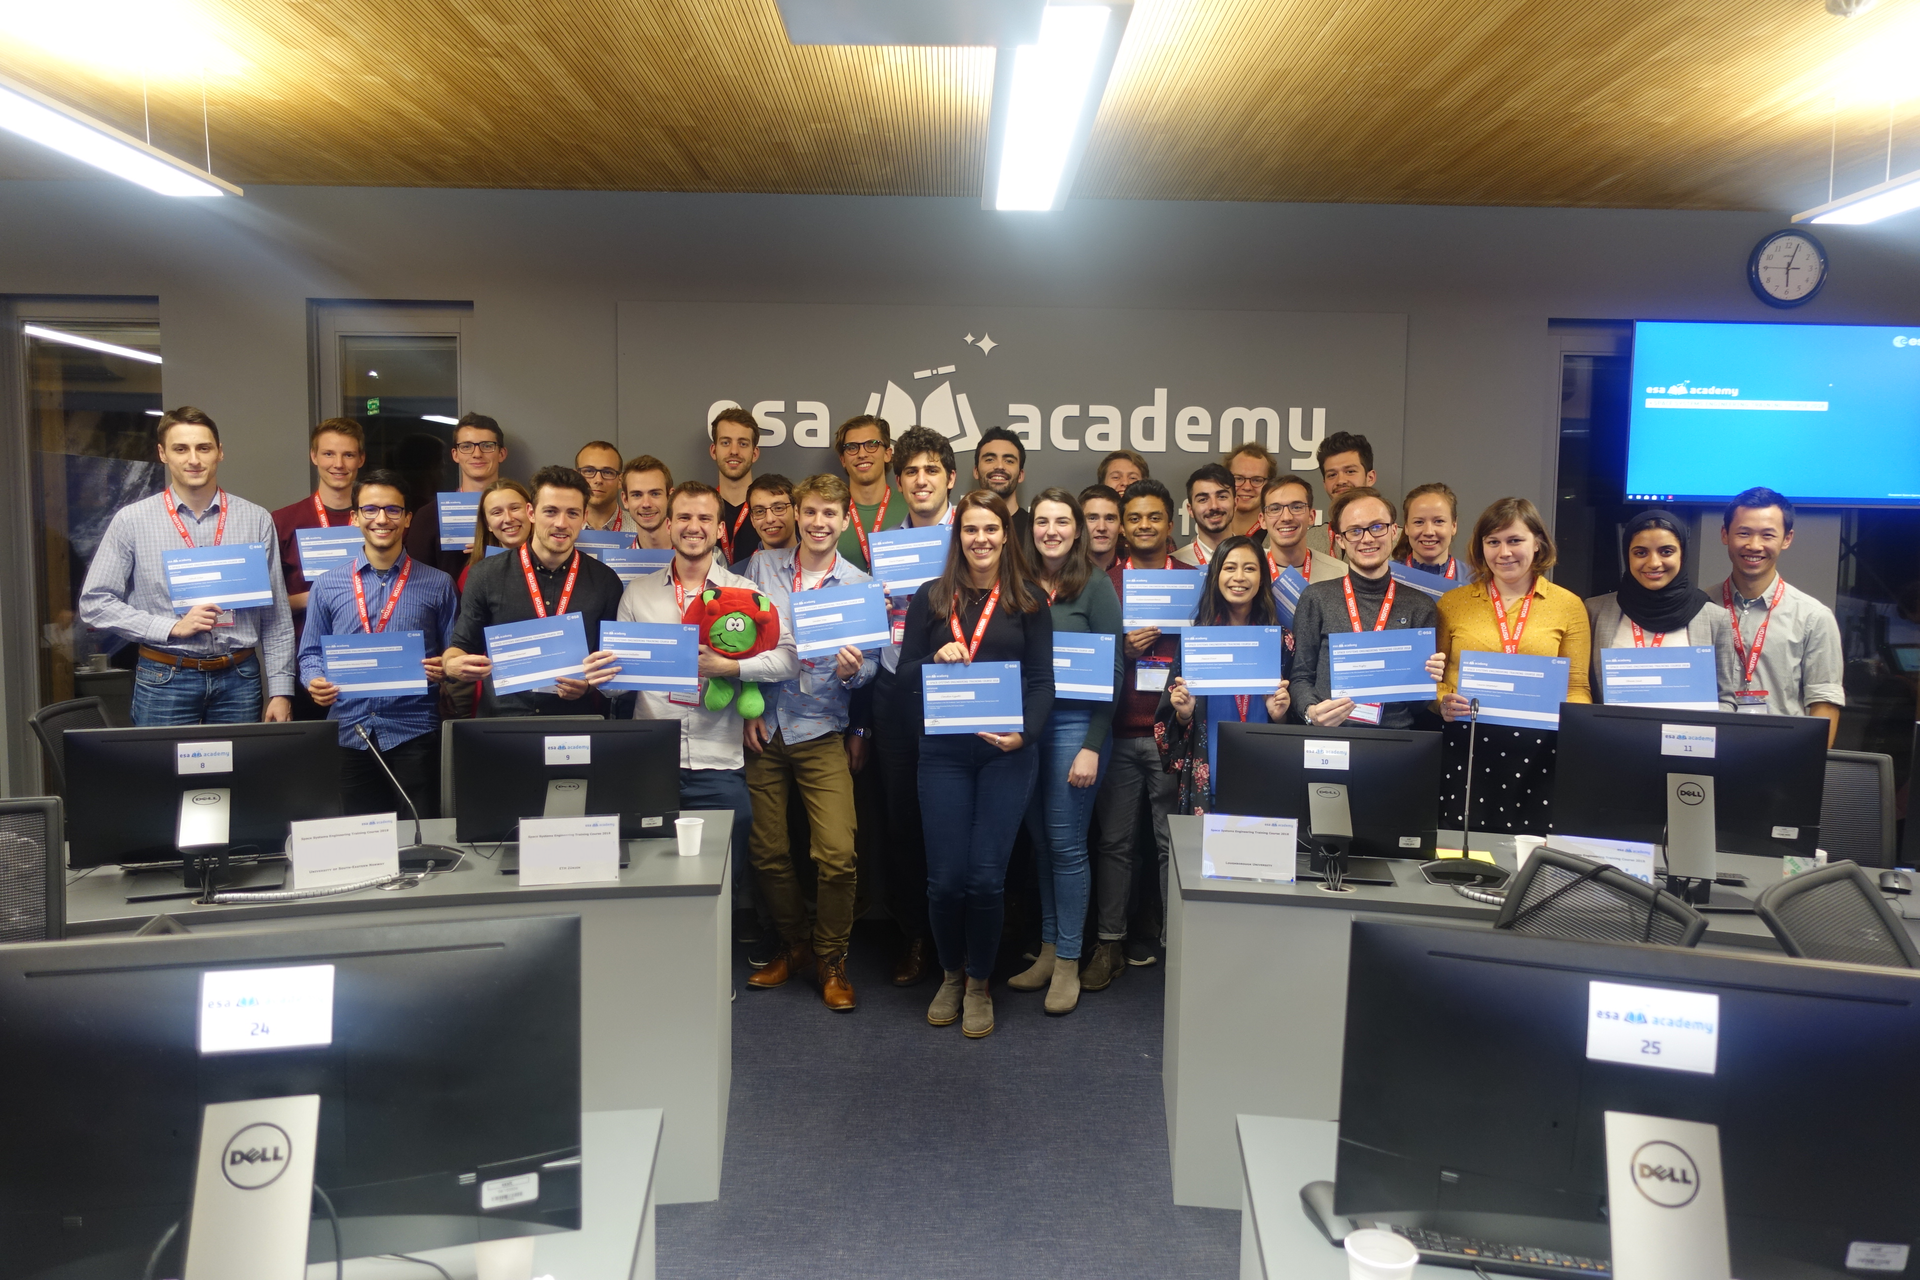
[1500, 1259]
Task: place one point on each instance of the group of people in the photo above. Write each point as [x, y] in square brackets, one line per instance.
[843, 732]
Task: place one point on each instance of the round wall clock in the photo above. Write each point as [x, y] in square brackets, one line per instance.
[1787, 269]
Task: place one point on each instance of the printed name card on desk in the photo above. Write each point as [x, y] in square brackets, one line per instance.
[1515, 689]
[979, 697]
[629, 563]
[1382, 666]
[336, 851]
[569, 850]
[1680, 676]
[1083, 666]
[1163, 598]
[1239, 848]
[1231, 659]
[233, 576]
[387, 664]
[661, 656]
[459, 516]
[324, 549]
[528, 655]
[826, 619]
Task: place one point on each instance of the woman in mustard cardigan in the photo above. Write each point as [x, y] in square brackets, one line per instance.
[1507, 607]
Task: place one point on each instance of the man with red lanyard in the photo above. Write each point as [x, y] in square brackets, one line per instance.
[1286, 507]
[1210, 503]
[336, 448]
[712, 761]
[1786, 644]
[385, 590]
[204, 666]
[1364, 599]
[798, 744]
[547, 577]
[599, 465]
[735, 450]
[865, 447]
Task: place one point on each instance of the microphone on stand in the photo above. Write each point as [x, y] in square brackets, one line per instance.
[1463, 869]
[418, 856]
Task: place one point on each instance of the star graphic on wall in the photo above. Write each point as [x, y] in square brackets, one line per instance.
[968, 338]
[986, 343]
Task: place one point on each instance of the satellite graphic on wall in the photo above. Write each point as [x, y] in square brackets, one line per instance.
[943, 409]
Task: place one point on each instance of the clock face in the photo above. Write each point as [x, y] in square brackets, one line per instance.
[1789, 267]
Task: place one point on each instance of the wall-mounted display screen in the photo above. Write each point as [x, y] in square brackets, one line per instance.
[1827, 414]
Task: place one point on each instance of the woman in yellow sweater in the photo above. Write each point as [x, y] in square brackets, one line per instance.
[1507, 607]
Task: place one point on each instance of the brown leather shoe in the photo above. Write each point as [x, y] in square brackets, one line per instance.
[797, 958]
[835, 991]
[915, 963]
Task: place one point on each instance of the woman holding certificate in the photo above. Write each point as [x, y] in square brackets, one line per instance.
[1237, 593]
[1509, 608]
[1074, 744]
[1657, 605]
[984, 608]
[506, 518]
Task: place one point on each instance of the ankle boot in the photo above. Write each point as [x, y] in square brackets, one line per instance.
[945, 1009]
[1038, 976]
[1064, 992]
[1107, 963]
[979, 1010]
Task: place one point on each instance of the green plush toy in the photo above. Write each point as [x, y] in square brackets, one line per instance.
[736, 623]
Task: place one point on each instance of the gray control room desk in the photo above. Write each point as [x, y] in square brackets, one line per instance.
[1257, 995]
[655, 985]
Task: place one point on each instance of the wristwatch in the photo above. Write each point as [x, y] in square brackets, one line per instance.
[861, 733]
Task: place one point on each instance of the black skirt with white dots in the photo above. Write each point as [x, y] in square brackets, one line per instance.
[1512, 779]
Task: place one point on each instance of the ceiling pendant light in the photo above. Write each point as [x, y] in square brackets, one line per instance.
[1045, 98]
[52, 124]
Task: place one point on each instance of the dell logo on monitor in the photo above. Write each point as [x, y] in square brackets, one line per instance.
[1666, 1175]
[1326, 792]
[206, 797]
[256, 1156]
[1691, 793]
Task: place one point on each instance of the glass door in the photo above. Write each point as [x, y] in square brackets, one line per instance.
[395, 369]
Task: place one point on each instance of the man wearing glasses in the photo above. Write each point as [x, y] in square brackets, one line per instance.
[865, 446]
[479, 447]
[1252, 466]
[1366, 598]
[1286, 505]
[770, 508]
[599, 465]
[1210, 502]
[386, 590]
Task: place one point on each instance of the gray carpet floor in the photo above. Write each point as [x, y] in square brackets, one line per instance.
[869, 1144]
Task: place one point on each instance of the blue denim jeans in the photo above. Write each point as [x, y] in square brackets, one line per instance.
[972, 797]
[1057, 821]
[726, 789]
[164, 695]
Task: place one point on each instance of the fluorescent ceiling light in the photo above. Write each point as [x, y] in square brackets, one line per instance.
[1895, 195]
[155, 413]
[91, 344]
[1050, 89]
[42, 120]
[440, 418]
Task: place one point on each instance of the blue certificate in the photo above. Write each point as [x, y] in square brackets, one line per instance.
[233, 576]
[632, 562]
[1231, 659]
[1381, 666]
[459, 513]
[1286, 593]
[1421, 580]
[662, 656]
[980, 697]
[1515, 689]
[324, 549]
[528, 655]
[594, 541]
[1163, 598]
[1083, 666]
[831, 617]
[1683, 676]
[904, 558]
[386, 665]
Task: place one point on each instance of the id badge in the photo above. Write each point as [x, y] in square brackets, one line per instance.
[687, 697]
[224, 618]
[1752, 702]
[1365, 713]
[1150, 674]
[897, 625]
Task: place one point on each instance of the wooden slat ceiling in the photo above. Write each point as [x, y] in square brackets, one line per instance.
[1691, 104]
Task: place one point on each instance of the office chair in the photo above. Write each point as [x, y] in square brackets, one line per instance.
[1836, 912]
[1560, 895]
[32, 897]
[50, 723]
[1856, 809]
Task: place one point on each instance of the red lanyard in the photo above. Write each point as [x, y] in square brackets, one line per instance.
[979, 628]
[1750, 658]
[879, 521]
[1453, 566]
[1199, 551]
[1510, 643]
[1123, 561]
[1386, 606]
[320, 512]
[797, 588]
[1243, 702]
[393, 597]
[1640, 637]
[728, 535]
[219, 528]
[533, 583]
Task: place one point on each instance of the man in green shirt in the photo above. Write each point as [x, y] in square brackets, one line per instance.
[865, 446]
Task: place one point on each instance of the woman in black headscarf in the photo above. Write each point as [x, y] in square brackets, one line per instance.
[1657, 604]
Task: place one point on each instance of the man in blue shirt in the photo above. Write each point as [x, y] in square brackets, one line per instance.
[384, 589]
[798, 743]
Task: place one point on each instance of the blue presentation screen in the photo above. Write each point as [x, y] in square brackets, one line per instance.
[1826, 414]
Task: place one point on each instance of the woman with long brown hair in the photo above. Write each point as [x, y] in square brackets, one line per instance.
[974, 787]
[505, 520]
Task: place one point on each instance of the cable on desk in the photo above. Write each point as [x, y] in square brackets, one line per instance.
[299, 895]
[1492, 899]
[339, 1261]
[407, 1257]
[159, 1248]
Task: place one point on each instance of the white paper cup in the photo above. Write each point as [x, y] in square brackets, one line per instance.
[510, 1259]
[688, 830]
[1379, 1255]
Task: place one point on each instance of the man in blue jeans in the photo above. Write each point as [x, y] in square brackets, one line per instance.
[203, 666]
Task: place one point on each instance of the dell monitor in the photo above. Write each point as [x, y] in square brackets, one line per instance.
[193, 797]
[448, 1059]
[506, 769]
[1473, 1097]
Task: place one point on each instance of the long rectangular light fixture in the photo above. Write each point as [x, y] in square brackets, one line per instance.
[1045, 98]
[91, 344]
[440, 418]
[52, 124]
[1895, 195]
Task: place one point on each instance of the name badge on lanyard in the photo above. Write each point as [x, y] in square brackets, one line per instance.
[1150, 674]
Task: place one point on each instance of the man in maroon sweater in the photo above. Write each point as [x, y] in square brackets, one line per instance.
[1135, 775]
[336, 448]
